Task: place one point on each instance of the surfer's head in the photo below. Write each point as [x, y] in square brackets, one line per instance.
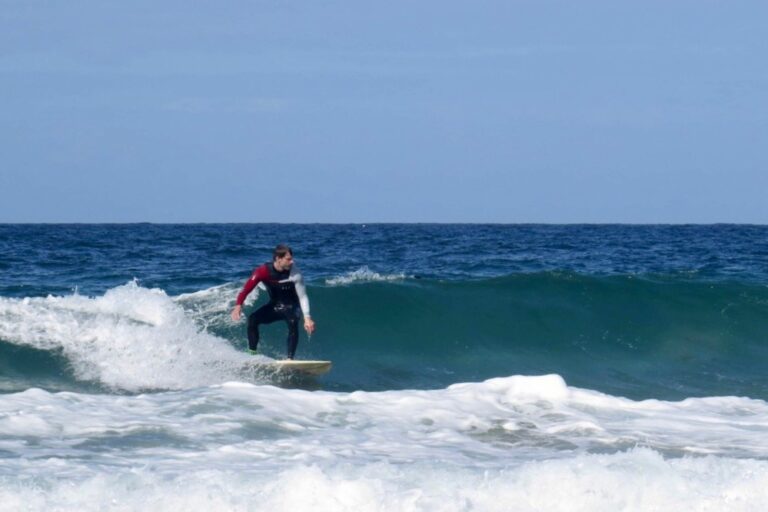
[282, 257]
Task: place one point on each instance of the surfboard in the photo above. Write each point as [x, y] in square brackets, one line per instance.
[294, 366]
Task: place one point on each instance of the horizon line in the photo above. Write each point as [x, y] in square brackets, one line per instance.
[374, 223]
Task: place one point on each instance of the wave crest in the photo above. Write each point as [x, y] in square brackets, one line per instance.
[131, 338]
[363, 275]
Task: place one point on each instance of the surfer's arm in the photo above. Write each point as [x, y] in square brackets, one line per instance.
[256, 277]
[301, 291]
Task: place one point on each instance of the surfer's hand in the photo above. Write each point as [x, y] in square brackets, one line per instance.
[309, 325]
[236, 313]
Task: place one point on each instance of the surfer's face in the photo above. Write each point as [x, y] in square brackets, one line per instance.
[284, 263]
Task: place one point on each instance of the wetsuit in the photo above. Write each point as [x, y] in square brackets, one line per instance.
[287, 300]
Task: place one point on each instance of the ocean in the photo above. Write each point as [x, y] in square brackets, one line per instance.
[476, 368]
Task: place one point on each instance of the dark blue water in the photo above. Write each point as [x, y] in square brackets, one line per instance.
[41, 259]
[639, 311]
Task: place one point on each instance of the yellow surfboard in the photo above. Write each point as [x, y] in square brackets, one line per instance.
[292, 365]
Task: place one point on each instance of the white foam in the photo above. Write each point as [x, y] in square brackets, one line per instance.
[639, 480]
[531, 442]
[481, 423]
[363, 275]
[212, 306]
[519, 387]
[130, 338]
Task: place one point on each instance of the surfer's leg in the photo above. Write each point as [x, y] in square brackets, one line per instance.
[292, 319]
[264, 315]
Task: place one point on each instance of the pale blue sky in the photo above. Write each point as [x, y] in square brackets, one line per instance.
[397, 111]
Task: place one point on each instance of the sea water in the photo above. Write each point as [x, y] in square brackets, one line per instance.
[476, 367]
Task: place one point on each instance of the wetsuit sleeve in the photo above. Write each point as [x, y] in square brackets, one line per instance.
[301, 290]
[258, 275]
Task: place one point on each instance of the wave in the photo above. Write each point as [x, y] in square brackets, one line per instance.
[502, 421]
[363, 275]
[639, 480]
[129, 339]
[640, 337]
[532, 441]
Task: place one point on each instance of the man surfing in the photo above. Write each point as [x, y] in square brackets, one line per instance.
[287, 299]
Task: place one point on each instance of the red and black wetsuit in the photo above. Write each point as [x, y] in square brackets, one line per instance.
[287, 300]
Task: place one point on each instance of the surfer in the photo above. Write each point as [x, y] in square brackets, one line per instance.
[287, 299]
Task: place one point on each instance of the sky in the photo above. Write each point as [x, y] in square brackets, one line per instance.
[399, 111]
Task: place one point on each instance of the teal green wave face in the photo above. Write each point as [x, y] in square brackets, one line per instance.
[630, 336]
[623, 335]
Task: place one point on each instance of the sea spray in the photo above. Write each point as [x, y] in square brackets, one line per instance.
[131, 338]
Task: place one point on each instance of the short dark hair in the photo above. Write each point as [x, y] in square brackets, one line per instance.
[280, 251]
